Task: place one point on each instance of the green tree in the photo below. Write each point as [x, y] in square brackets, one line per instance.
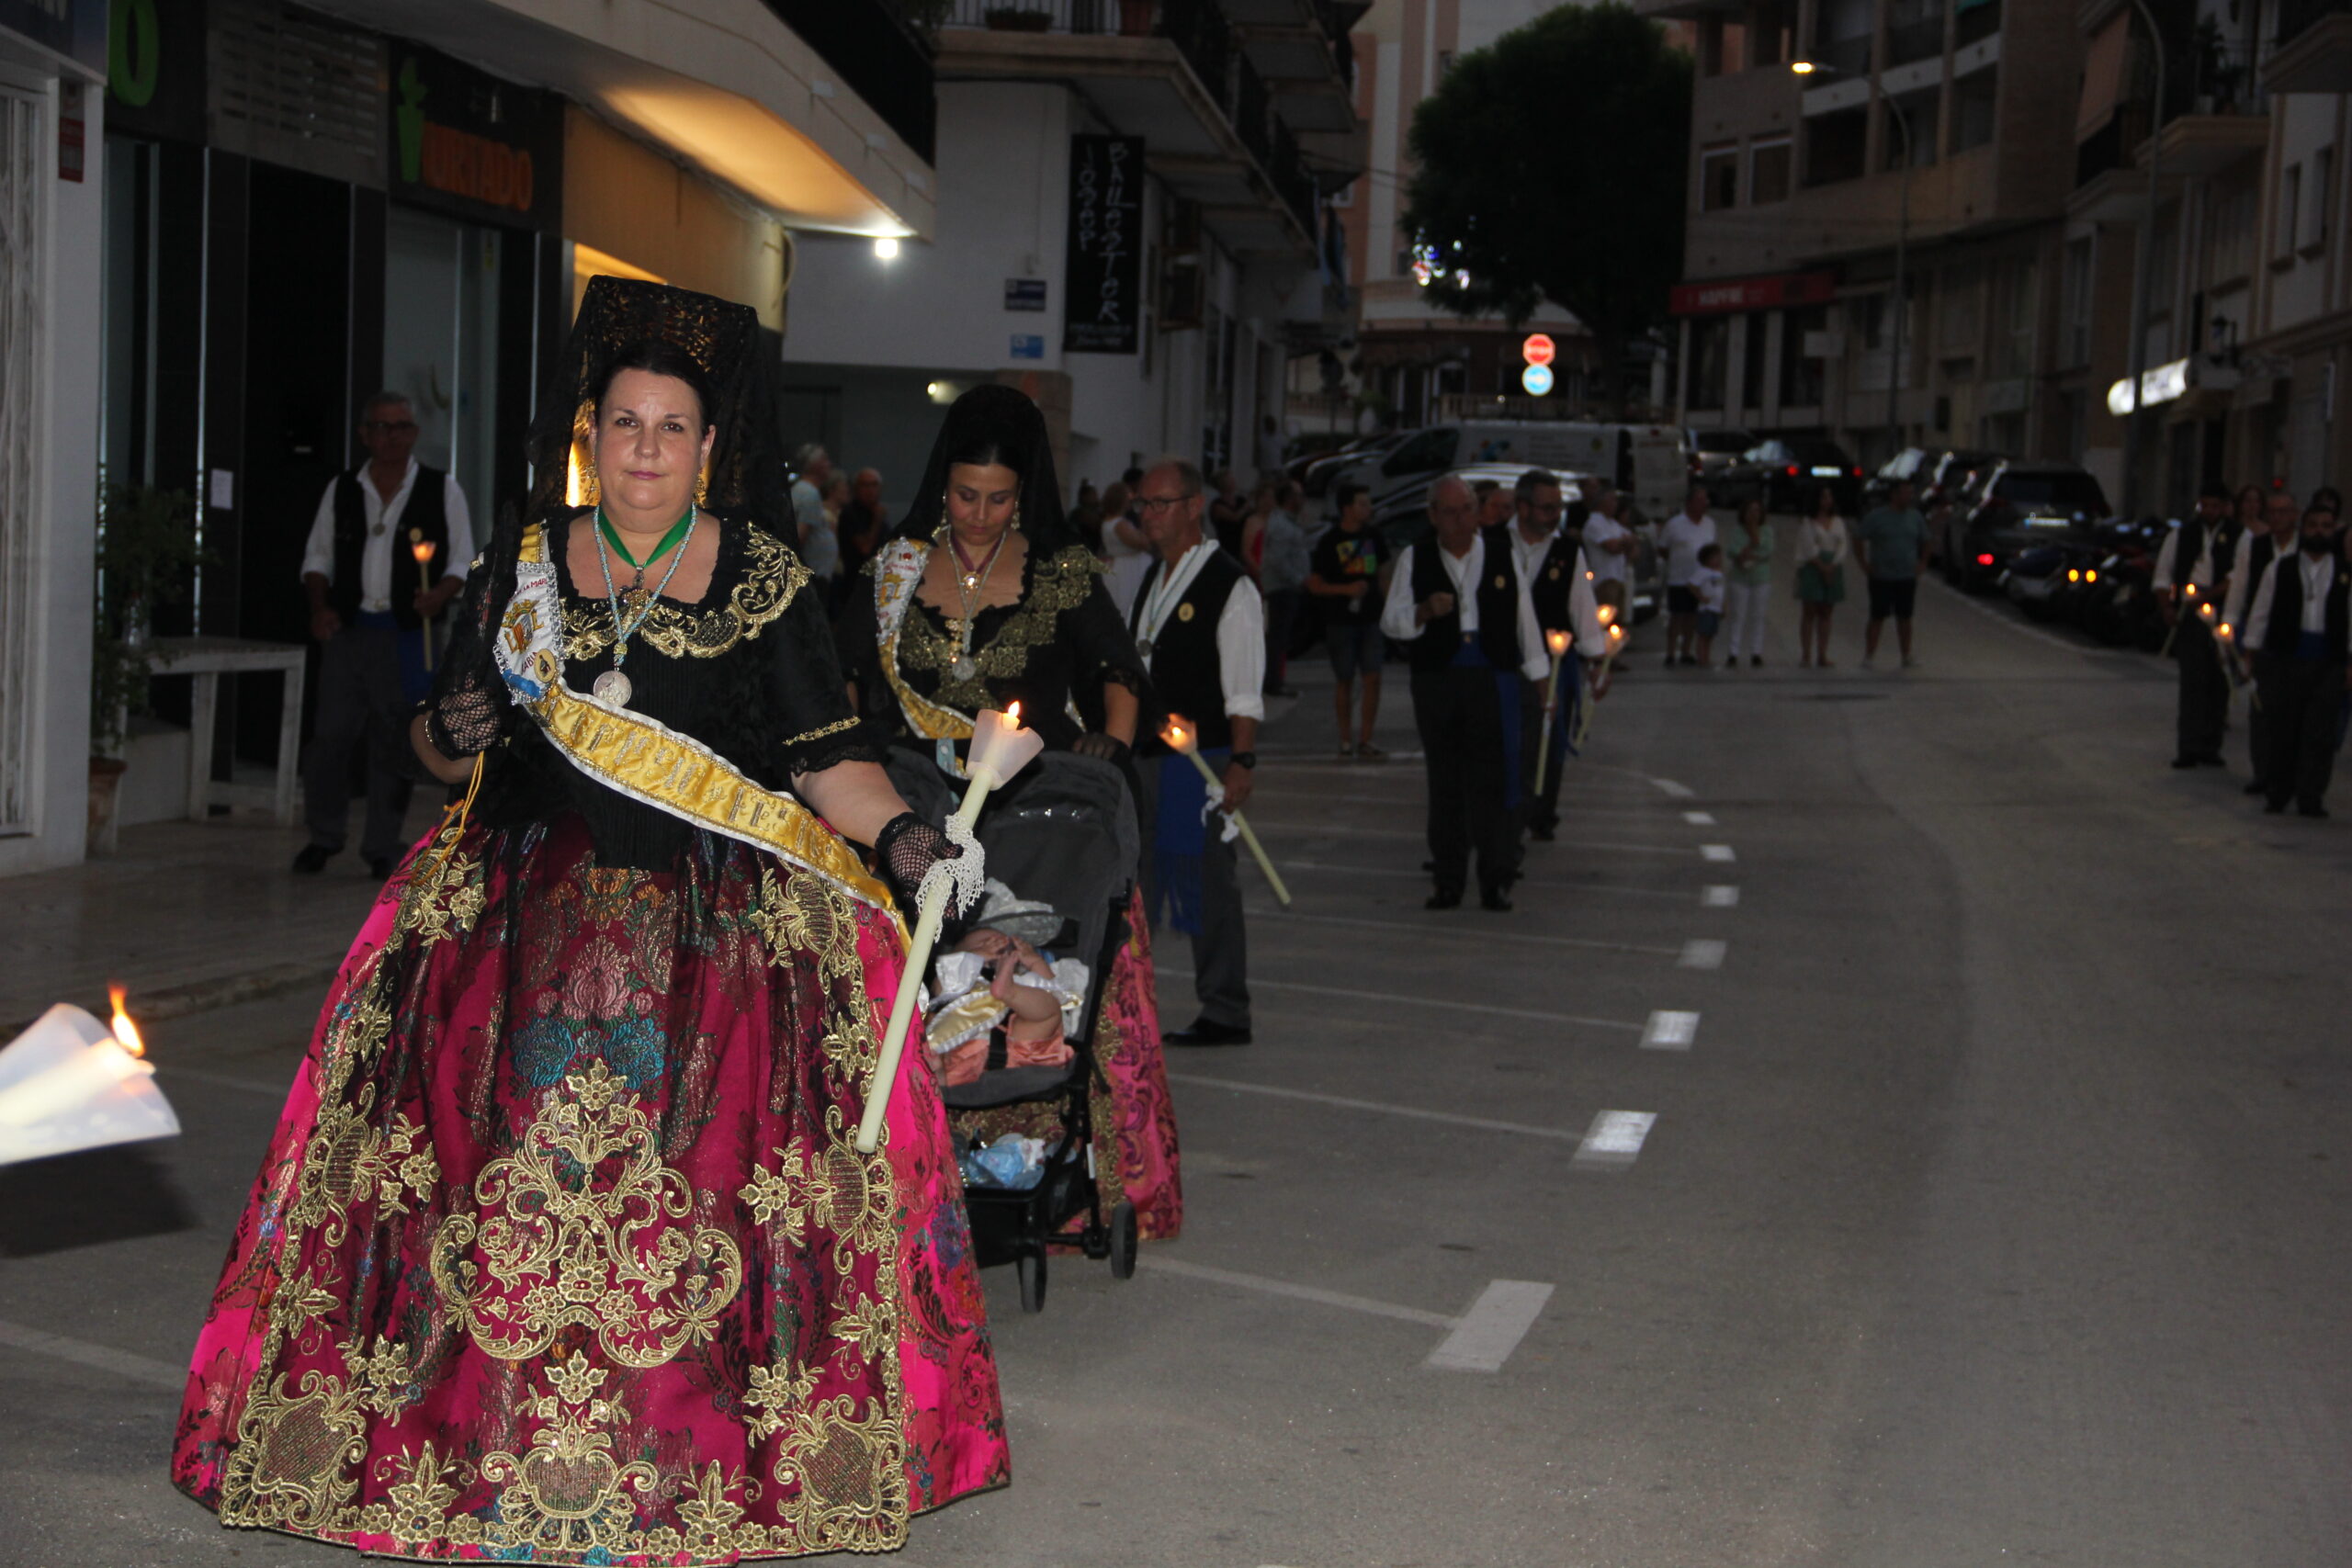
[1551, 165]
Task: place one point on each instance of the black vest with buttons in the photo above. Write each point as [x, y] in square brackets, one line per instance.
[424, 517]
[1497, 600]
[2284, 634]
[1187, 674]
[1555, 580]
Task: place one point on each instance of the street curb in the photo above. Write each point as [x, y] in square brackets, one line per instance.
[210, 996]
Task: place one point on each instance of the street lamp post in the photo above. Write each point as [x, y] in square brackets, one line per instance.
[1814, 68]
[2143, 268]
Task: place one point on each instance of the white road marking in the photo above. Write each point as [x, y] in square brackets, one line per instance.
[1670, 1032]
[1614, 1140]
[1610, 888]
[1445, 1002]
[1430, 928]
[122, 1363]
[1719, 897]
[1701, 952]
[1680, 792]
[1155, 1264]
[1346, 1103]
[1716, 853]
[1700, 818]
[1492, 1328]
[1332, 830]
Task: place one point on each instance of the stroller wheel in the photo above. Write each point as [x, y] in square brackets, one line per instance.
[1123, 1241]
[1030, 1267]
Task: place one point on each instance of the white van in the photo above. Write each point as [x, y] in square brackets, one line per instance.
[1645, 462]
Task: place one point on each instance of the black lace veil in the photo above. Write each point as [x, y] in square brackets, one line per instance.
[1001, 424]
[469, 710]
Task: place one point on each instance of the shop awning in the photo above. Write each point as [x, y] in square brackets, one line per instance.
[723, 85]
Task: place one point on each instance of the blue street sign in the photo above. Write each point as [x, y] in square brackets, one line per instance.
[1536, 378]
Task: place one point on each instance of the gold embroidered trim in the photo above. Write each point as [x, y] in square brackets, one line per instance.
[776, 577]
[819, 734]
[1061, 583]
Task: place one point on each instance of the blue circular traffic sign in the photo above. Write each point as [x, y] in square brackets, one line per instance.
[1536, 378]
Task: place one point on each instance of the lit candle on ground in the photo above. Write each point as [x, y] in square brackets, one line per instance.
[1184, 739]
[1001, 748]
[70, 1083]
[1558, 643]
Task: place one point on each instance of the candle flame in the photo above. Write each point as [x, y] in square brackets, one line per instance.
[2225, 629]
[1175, 734]
[1558, 641]
[2192, 591]
[423, 551]
[2205, 610]
[125, 1032]
[1616, 634]
[1013, 714]
[1605, 613]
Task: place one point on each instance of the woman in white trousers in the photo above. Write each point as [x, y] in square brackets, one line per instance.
[1748, 579]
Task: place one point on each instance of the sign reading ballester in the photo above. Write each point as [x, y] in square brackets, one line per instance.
[1102, 298]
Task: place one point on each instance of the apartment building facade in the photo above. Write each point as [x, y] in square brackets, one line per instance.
[1918, 136]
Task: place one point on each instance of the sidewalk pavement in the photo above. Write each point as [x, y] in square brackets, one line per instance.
[188, 916]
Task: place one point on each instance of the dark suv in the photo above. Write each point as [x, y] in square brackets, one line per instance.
[2022, 506]
[1787, 472]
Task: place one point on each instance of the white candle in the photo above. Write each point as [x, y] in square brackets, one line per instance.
[1185, 740]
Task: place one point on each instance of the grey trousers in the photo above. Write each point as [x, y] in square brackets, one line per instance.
[1221, 947]
[360, 704]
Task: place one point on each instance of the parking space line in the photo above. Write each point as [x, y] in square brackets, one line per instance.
[1345, 1102]
[1431, 928]
[1445, 1002]
[1670, 1032]
[1614, 1140]
[1336, 829]
[1719, 897]
[1700, 818]
[1701, 952]
[1678, 790]
[106, 1357]
[1716, 853]
[1156, 1264]
[1610, 888]
[1492, 1328]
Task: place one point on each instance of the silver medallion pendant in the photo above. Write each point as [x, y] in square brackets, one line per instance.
[965, 669]
[612, 687]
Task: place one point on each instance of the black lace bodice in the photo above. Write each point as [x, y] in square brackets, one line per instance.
[749, 671]
[1060, 642]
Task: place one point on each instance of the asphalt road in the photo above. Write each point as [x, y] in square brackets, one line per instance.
[1992, 1210]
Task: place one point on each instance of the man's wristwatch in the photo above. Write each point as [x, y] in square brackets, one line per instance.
[1244, 759]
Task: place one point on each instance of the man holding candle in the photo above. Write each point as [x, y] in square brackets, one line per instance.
[2192, 571]
[2258, 548]
[1200, 628]
[1552, 570]
[2300, 629]
[1471, 638]
[387, 549]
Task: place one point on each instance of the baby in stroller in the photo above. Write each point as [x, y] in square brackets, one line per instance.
[996, 1001]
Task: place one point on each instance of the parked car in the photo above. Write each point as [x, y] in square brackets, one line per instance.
[1786, 472]
[1404, 519]
[1954, 473]
[1644, 462]
[1712, 451]
[1909, 466]
[1317, 475]
[2022, 506]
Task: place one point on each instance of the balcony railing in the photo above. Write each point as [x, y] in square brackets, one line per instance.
[878, 57]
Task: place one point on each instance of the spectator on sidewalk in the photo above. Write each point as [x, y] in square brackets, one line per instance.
[1708, 584]
[863, 525]
[1892, 546]
[820, 549]
[2192, 571]
[372, 605]
[1496, 503]
[2258, 548]
[1686, 533]
[1123, 545]
[1229, 510]
[1347, 575]
[1822, 546]
[1282, 578]
[1749, 585]
[2301, 631]
[1473, 637]
[1608, 547]
[1196, 624]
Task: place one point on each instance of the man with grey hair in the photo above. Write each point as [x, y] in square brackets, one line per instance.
[1200, 628]
[821, 549]
[388, 548]
[1471, 639]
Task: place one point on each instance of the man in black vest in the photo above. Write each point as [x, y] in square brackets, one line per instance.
[1549, 563]
[1200, 627]
[389, 549]
[2300, 629]
[1471, 638]
[2257, 549]
[2192, 570]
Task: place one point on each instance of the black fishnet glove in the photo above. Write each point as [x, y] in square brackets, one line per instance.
[1102, 744]
[906, 850]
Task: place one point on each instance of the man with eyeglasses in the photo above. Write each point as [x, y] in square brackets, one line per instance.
[1200, 627]
[389, 550]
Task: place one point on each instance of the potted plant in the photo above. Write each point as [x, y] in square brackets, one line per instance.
[1017, 19]
[146, 550]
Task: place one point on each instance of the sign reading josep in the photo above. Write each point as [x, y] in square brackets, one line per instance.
[1103, 287]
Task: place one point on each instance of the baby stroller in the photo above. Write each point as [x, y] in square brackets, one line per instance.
[1063, 834]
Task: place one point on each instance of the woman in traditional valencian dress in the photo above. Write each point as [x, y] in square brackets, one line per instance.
[987, 596]
[563, 1251]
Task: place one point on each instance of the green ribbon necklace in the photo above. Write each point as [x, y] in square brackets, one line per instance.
[613, 537]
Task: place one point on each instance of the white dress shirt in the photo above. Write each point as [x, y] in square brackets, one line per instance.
[2319, 575]
[383, 530]
[1584, 610]
[2242, 585]
[1240, 630]
[1606, 567]
[2200, 576]
[1397, 619]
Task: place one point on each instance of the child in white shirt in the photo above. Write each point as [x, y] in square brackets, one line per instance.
[1707, 582]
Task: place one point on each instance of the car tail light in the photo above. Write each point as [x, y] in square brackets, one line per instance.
[1792, 470]
[2090, 577]
[1984, 560]
[1858, 473]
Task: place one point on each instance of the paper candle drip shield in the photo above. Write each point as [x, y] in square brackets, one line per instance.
[70, 1083]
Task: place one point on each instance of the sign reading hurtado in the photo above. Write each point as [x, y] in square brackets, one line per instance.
[466, 144]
